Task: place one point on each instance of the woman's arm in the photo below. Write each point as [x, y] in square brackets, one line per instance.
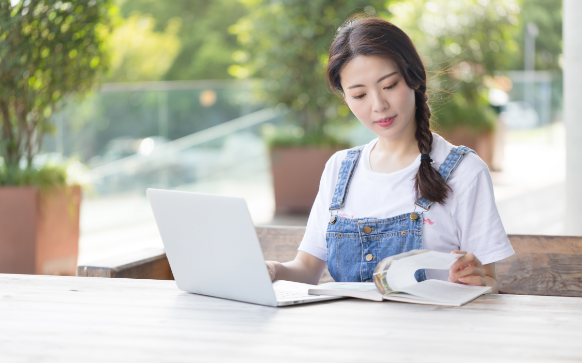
[469, 270]
[304, 268]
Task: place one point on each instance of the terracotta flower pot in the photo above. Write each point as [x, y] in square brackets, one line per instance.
[39, 232]
[482, 143]
[296, 174]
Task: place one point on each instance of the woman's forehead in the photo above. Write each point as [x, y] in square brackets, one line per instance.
[366, 69]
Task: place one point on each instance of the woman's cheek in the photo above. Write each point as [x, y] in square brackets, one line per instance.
[358, 109]
[352, 108]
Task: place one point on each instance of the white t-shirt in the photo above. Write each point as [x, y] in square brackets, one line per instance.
[468, 221]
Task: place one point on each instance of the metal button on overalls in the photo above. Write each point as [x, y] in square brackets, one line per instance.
[369, 257]
[367, 229]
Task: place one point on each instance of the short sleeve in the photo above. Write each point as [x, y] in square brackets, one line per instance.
[480, 228]
[314, 239]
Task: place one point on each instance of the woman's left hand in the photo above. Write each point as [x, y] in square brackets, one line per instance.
[467, 270]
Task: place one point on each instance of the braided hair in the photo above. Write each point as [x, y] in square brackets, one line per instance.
[378, 37]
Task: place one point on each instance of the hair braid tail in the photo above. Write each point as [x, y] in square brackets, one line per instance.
[428, 182]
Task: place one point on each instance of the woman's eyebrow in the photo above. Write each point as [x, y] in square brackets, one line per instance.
[380, 80]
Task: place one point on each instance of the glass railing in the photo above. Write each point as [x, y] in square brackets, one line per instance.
[106, 126]
[228, 159]
[228, 151]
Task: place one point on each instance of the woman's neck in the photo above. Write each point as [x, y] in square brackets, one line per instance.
[390, 155]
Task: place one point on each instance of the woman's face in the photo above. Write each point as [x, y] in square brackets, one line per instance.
[377, 94]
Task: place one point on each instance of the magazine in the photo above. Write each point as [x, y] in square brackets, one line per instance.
[394, 280]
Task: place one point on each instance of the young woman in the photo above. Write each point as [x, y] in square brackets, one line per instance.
[409, 188]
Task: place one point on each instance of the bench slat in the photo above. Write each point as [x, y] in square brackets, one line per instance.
[542, 265]
[150, 263]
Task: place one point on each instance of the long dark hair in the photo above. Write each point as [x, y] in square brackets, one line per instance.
[378, 37]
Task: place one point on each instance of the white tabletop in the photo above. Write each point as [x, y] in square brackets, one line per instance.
[82, 319]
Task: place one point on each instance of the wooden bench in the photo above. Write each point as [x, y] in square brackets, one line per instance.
[542, 265]
[277, 243]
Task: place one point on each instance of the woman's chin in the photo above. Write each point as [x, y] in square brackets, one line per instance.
[389, 132]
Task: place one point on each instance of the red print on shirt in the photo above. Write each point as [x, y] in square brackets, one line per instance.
[345, 215]
[426, 220]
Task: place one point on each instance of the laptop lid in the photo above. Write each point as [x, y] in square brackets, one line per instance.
[212, 246]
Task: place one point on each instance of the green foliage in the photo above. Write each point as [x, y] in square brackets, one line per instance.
[294, 136]
[50, 50]
[286, 43]
[547, 16]
[45, 177]
[461, 43]
[44, 174]
[206, 45]
[139, 53]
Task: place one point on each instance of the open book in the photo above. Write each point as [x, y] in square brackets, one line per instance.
[394, 280]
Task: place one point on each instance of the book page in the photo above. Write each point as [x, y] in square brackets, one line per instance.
[361, 290]
[354, 286]
[447, 292]
[401, 272]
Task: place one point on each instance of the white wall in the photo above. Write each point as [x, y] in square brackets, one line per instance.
[572, 32]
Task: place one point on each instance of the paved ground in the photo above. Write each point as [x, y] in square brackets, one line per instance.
[529, 194]
[530, 190]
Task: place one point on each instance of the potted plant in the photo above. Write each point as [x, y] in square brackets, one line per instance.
[50, 51]
[286, 45]
[462, 44]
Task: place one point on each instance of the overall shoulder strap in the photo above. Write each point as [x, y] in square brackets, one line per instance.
[345, 177]
[446, 169]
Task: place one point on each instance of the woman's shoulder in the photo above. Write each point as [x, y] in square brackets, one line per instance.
[339, 156]
[467, 170]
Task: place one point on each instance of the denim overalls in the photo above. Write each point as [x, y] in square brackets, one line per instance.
[355, 246]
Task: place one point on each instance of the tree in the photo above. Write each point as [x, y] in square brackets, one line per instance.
[139, 53]
[206, 45]
[461, 42]
[286, 43]
[547, 16]
[50, 50]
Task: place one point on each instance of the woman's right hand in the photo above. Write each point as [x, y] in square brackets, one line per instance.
[271, 266]
[304, 268]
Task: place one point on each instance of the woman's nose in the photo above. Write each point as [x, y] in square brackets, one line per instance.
[380, 104]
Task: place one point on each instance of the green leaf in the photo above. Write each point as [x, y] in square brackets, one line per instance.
[94, 62]
[37, 74]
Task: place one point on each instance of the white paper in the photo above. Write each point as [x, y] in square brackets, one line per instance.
[401, 272]
[443, 291]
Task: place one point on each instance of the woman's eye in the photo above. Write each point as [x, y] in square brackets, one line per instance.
[391, 86]
[359, 97]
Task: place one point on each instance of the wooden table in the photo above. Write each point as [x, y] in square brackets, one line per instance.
[72, 319]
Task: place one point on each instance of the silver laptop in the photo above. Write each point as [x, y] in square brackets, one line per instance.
[213, 249]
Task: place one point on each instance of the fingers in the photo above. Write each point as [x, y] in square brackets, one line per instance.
[470, 275]
[468, 259]
[458, 252]
[473, 280]
[457, 265]
[469, 271]
[271, 269]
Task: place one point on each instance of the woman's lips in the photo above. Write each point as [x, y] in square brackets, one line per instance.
[386, 122]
